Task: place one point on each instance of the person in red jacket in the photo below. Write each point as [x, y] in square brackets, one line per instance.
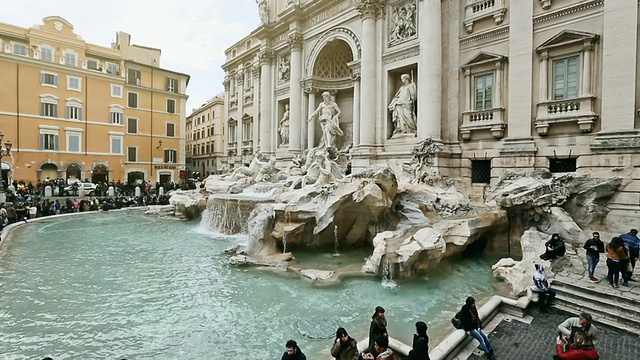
[581, 349]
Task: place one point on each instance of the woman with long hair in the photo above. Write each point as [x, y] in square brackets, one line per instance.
[615, 253]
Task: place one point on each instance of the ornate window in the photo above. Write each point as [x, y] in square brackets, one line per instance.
[232, 131]
[484, 76]
[332, 61]
[48, 106]
[565, 91]
[74, 109]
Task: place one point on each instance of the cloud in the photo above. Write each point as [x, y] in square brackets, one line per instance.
[192, 34]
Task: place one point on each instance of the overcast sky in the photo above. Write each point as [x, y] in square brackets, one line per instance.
[191, 33]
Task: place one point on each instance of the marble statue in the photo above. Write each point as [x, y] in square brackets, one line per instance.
[403, 23]
[320, 168]
[328, 114]
[251, 171]
[402, 107]
[329, 169]
[423, 155]
[284, 68]
[263, 9]
[267, 171]
[283, 129]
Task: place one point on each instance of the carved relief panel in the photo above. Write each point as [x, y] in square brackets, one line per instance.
[402, 22]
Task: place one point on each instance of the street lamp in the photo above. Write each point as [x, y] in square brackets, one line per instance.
[4, 151]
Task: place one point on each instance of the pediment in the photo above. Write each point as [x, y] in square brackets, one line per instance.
[567, 37]
[246, 116]
[484, 58]
[232, 120]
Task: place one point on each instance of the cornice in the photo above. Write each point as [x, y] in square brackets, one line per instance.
[573, 8]
[484, 35]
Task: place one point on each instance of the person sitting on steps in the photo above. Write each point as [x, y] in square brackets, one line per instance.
[583, 322]
[472, 325]
[580, 349]
[554, 248]
[540, 286]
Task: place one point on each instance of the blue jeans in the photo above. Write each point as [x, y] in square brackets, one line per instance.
[483, 339]
[592, 261]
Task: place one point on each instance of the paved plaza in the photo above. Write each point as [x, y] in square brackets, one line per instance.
[536, 341]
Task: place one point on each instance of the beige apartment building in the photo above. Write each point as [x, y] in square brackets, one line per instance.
[75, 110]
[205, 138]
[501, 85]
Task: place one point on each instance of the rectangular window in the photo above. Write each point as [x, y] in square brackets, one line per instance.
[50, 79]
[113, 69]
[132, 100]
[483, 92]
[116, 144]
[74, 112]
[73, 142]
[116, 91]
[49, 141]
[74, 83]
[171, 106]
[480, 171]
[93, 64]
[48, 109]
[562, 165]
[46, 54]
[132, 154]
[132, 125]
[171, 130]
[70, 59]
[133, 77]
[115, 117]
[172, 85]
[19, 49]
[169, 156]
[566, 78]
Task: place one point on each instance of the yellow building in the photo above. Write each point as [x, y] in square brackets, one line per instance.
[76, 110]
[205, 138]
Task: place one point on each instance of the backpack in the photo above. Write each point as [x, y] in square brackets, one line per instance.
[455, 321]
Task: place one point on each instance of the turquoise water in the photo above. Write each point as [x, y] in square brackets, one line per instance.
[122, 285]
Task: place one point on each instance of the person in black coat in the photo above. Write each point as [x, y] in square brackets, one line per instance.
[378, 326]
[472, 325]
[594, 248]
[420, 349]
[554, 248]
[293, 352]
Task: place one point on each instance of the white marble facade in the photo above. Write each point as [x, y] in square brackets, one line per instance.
[516, 84]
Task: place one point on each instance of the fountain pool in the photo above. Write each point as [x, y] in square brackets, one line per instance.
[122, 285]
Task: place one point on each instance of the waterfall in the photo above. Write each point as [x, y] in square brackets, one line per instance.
[336, 243]
[387, 276]
[287, 219]
[229, 214]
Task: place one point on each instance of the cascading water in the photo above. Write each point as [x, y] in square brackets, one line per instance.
[287, 219]
[228, 214]
[387, 276]
[336, 243]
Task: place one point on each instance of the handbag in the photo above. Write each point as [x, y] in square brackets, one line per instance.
[455, 321]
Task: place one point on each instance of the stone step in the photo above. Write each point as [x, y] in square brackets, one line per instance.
[576, 310]
[626, 296]
[599, 316]
[596, 300]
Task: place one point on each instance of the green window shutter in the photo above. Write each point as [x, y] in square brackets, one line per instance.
[56, 142]
[80, 114]
[42, 141]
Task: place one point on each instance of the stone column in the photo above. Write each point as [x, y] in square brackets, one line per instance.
[586, 70]
[497, 102]
[543, 86]
[369, 11]
[311, 127]
[356, 110]
[239, 128]
[619, 58]
[430, 69]
[266, 64]
[256, 106]
[227, 85]
[468, 90]
[295, 92]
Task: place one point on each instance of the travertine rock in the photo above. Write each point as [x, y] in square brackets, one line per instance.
[190, 203]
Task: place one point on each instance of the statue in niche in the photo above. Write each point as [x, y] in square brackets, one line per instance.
[328, 114]
[403, 23]
[283, 127]
[402, 107]
[263, 10]
[284, 68]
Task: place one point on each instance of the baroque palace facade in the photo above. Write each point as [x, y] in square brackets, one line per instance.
[501, 85]
[205, 138]
[72, 109]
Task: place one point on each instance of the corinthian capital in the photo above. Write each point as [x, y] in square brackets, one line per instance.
[369, 8]
[295, 41]
[266, 56]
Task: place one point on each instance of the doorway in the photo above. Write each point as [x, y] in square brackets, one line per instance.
[165, 179]
[73, 174]
[100, 174]
[48, 171]
[135, 177]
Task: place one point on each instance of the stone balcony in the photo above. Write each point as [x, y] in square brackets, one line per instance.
[479, 9]
[492, 120]
[247, 144]
[578, 110]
